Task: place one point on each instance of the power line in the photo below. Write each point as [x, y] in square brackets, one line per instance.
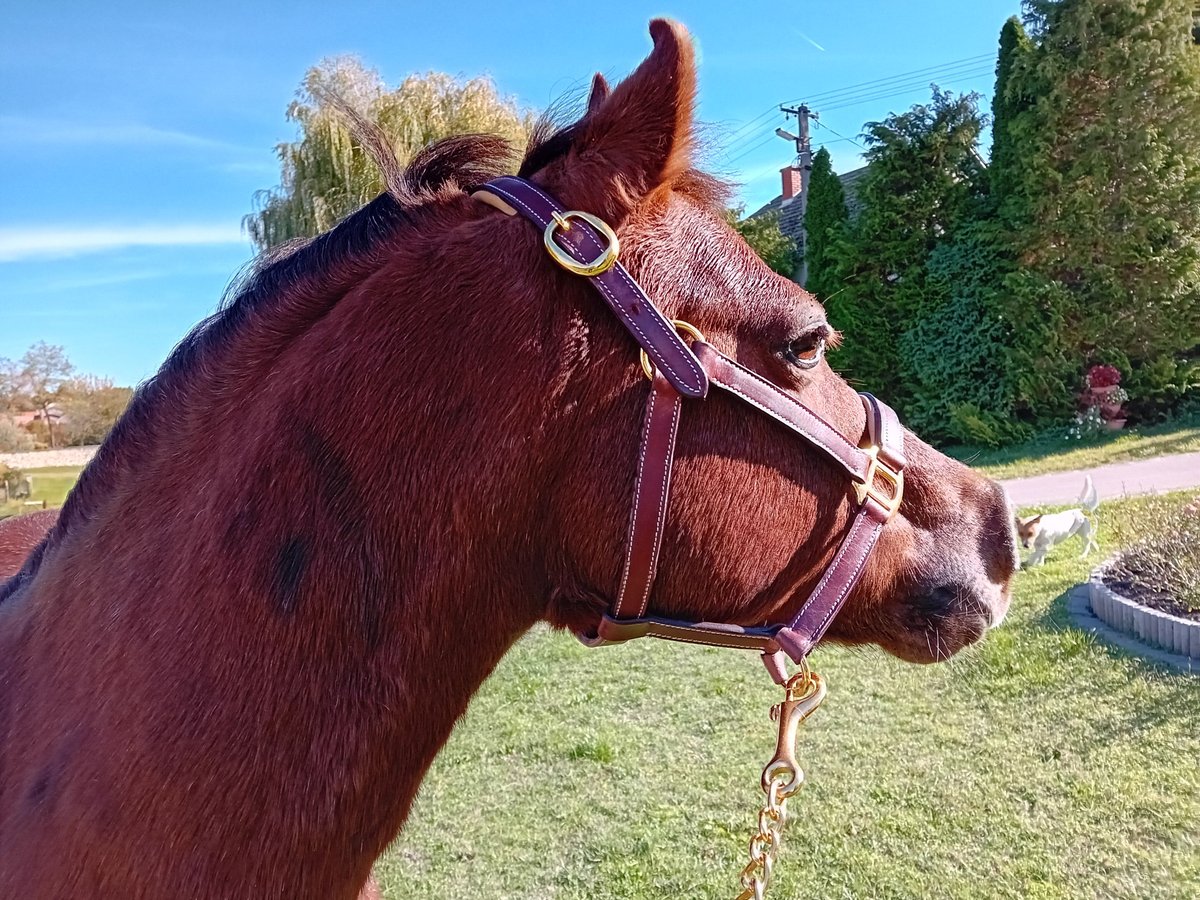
[769, 138]
[821, 124]
[866, 91]
[897, 91]
[773, 109]
[926, 72]
[740, 140]
[731, 146]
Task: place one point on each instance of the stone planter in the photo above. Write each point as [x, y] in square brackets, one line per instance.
[1173, 634]
[1114, 424]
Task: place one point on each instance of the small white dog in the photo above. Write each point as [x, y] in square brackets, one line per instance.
[1046, 531]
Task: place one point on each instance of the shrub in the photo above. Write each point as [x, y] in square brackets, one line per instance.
[1163, 387]
[972, 425]
[1160, 570]
[10, 477]
[956, 352]
[12, 438]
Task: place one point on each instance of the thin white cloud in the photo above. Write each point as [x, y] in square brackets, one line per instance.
[87, 282]
[49, 241]
[810, 40]
[24, 129]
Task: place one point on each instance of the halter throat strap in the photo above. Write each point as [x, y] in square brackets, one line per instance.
[586, 246]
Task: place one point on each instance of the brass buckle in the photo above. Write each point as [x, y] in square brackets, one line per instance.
[876, 467]
[687, 328]
[602, 263]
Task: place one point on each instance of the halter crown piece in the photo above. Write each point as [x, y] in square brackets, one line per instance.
[679, 364]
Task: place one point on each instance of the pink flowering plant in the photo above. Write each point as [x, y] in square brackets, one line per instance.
[1103, 376]
[1101, 401]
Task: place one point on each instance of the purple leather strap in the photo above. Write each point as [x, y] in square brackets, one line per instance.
[772, 400]
[809, 624]
[658, 337]
[680, 370]
[656, 455]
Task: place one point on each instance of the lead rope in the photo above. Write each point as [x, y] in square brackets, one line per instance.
[781, 780]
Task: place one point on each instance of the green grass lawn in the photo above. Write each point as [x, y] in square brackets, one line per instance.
[1041, 764]
[1039, 456]
[51, 485]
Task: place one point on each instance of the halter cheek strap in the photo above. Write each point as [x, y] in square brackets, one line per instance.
[586, 246]
[882, 468]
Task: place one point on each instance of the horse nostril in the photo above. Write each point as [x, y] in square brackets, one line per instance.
[940, 601]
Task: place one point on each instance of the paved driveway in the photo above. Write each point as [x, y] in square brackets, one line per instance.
[1141, 476]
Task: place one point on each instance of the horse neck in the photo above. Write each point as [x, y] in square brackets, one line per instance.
[366, 529]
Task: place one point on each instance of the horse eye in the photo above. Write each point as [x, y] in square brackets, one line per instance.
[808, 350]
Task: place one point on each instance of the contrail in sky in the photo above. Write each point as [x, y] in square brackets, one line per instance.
[810, 40]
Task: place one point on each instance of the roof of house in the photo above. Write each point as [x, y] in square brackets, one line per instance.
[790, 220]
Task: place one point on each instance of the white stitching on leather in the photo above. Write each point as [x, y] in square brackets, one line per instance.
[660, 522]
[729, 386]
[859, 518]
[856, 573]
[834, 567]
[659, 322]
[637, 499]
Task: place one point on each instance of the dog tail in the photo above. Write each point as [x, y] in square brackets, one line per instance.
[1089, 499]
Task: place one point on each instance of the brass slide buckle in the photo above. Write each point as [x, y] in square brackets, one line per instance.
[876, 467]
[602, 263]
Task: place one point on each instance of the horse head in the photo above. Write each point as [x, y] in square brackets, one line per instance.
[755, 513]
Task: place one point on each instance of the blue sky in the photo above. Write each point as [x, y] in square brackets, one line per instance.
[133, 135]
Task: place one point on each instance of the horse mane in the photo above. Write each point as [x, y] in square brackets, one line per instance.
[297, 283]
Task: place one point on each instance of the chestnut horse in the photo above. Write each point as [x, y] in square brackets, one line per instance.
[227, 668]
[19, 535]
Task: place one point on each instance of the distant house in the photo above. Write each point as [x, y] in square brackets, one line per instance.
[27, 419]
[788, 205]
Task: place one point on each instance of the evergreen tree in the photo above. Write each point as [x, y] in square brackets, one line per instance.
[326, 174]
[923, 180]
[1011, 98]
[825, 220]
[1110, 177]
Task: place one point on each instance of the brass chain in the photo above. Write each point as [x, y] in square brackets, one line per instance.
[781, 779]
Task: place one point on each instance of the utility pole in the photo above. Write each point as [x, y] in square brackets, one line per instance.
[804, 160]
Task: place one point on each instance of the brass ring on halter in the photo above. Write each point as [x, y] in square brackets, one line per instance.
[602, 263]
[690, 331]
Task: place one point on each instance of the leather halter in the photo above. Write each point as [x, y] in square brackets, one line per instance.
[585, 245]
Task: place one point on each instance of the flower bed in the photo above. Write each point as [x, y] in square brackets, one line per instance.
[1159, 571]
[1150, 589]
[1174, 634]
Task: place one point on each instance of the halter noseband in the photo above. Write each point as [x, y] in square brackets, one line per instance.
[679, 368]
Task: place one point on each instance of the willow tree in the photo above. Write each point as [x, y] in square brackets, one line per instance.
[327, 173]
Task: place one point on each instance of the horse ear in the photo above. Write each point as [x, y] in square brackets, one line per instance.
[637, 138]
[600, 92]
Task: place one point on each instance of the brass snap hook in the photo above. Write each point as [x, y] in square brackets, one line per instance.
[805, 692]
